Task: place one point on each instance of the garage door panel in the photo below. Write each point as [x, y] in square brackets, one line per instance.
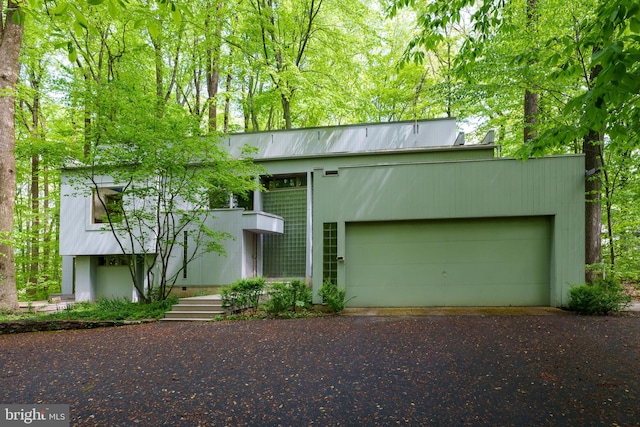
[404, 296]
[439, 251]
[498, 261]
[395, 253]
[390, 275]
[491, 295]
[490, 272]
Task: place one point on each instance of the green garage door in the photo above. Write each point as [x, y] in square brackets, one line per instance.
[470, 262]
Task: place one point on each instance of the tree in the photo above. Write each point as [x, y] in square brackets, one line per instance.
[591, 63]
[11, 30]
[162, 171]
[286, 30]
[609, 105]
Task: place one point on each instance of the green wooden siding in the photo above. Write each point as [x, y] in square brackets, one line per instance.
[213, 268]
[488, 262]
[495, 188]
[405, 156]
[114, 282]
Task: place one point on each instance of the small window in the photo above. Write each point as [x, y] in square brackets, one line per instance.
[107, 205]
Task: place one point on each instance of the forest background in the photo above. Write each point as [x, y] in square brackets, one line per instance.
[549, 76]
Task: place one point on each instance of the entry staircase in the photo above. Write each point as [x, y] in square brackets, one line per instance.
[195, 309]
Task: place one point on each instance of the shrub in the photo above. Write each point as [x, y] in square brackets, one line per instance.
[287, 297]
[603, 297]
[333, 296]
[243, 294]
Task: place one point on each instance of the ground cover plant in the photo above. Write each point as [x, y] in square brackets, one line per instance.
[101, 310]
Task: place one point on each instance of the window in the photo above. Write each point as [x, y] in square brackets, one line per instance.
[114, 261]
[222, 199]
[107, 205]
[330, 252]
[285, 182]
[245, 202]
[219, 198]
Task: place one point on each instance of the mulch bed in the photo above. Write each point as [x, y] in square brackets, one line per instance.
[339, 370]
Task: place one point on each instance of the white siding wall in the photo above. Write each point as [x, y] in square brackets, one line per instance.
[78, 235]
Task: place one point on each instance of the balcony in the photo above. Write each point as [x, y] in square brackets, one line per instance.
[262, 222]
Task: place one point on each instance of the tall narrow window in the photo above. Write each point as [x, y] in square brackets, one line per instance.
[107, 205]
[330, 252]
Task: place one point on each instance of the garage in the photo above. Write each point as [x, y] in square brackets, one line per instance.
[453, 262]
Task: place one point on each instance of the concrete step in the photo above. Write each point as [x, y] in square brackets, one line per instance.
[196, 308]
[192, 314]
[62, 297]
[208, 299]
[185, 319]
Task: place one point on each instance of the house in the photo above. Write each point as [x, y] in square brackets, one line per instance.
[401, 214]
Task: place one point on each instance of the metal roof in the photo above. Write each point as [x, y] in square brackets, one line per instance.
[345, 139]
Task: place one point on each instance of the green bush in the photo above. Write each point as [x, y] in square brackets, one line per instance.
[333, 296]
[243, 294]
[603, 297]
[287, 297]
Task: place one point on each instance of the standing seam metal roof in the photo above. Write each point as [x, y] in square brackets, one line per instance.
[345, 139]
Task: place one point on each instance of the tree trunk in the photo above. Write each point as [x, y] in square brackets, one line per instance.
[159, 63]
[530, 95]
[48, 227]
[530, 115]
[213, 64]
[227, 104]
[592, 149]
[213, 79]
[612, 249]
[10, 41]
[35, 224]
[35, 243]
[286, 112]
[87, 118]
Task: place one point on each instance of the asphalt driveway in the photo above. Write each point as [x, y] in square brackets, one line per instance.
[349, 370]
